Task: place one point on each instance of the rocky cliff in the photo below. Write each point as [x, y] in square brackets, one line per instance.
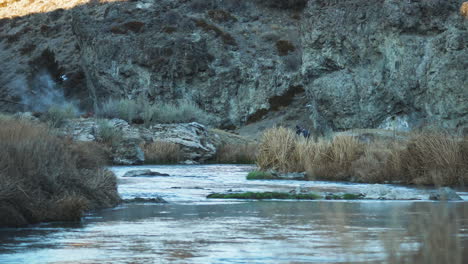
[339, 63]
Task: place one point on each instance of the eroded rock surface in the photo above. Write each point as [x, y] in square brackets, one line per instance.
[342, 64]
[193, 138]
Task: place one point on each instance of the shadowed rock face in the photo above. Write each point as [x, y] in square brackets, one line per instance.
[357, 62]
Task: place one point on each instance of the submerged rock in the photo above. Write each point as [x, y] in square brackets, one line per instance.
[145, 200]
[298, 176]
[143, 173]
[444, 194]
[274, 175]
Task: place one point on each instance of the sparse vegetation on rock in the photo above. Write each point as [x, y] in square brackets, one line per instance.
[284, 47]
[134, 110]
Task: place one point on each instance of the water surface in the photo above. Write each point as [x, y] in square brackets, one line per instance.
[193, 229]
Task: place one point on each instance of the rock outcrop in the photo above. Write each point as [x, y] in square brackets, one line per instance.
[195, 141]
[344, 64]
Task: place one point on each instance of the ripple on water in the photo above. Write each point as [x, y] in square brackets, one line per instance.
[193, 229]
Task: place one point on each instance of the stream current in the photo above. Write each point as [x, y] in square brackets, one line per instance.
[193, 229]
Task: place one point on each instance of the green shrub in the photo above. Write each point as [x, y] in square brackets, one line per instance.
[108, 134]
[119, 108]
[57, 115]
[182, 111]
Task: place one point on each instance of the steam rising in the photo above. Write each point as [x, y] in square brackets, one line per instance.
[41, 93]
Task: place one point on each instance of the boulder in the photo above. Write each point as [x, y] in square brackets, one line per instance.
[127, 153]
[444, 194]
[196, 143]
[143, 173]
[193, 138]
[80, 129]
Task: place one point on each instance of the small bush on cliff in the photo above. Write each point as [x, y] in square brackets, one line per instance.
[108, 134]
[57, 115]
[46, 178]
[284, 47]
[120, 108]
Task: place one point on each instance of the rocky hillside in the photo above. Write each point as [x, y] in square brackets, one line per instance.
[336, 64]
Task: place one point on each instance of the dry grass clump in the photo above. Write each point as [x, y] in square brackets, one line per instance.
[236, 154]
[426, 158]
[464, 9]
[333, 160]
[46, 178]
[14, 8]
[277, 150]
[162, 152]
[434, 159]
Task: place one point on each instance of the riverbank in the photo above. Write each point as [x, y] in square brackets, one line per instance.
[45, 177]
[423, 158]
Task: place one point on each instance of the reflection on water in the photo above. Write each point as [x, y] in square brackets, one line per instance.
[191, 229]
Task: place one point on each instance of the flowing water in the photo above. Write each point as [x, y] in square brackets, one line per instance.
[193, 229]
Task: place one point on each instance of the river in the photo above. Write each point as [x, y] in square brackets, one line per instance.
[193, 229]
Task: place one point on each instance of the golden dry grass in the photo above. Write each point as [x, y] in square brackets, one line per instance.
[46, 178]
[434, 159]
[15, 8]
[277, 150]
[464, 9]
[236, 153]
[161, 152]
[425, 158]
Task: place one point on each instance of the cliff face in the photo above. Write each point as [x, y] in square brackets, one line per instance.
[344, 64]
